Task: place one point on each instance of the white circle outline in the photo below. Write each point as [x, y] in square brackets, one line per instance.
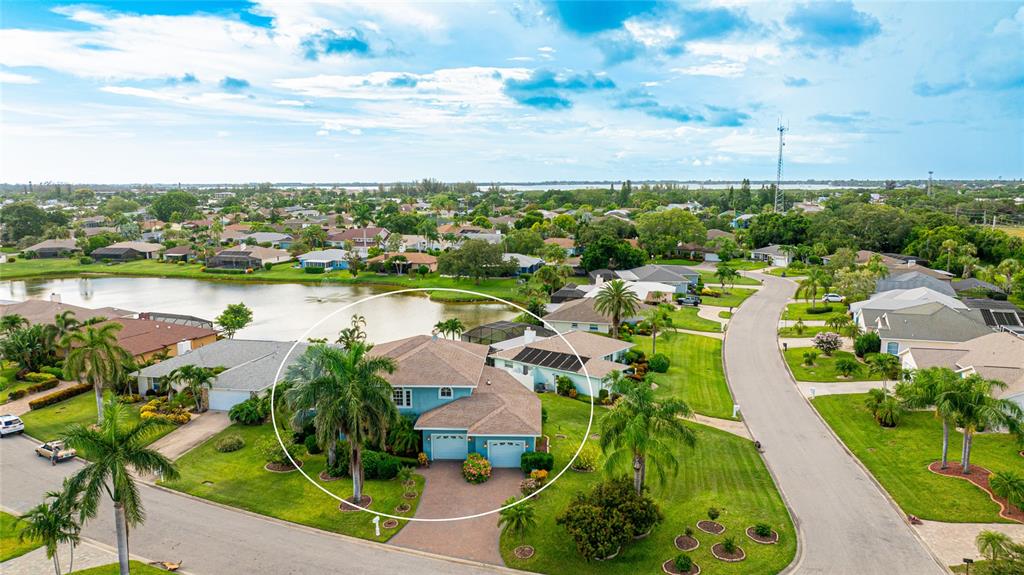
[277, 377]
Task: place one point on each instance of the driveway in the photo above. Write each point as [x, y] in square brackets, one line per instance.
[447, 494]
[20, 406]
[202, 427]
[845, 521]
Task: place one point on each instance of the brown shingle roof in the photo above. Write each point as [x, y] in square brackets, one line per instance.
[411, 257]
[561, 242]
[500, 405]
[427, 361]
[581, 311]
[140, 336]
[42, 311]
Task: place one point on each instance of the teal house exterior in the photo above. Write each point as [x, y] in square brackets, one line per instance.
[461, 404]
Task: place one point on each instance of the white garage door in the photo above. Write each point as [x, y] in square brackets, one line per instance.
[224, 400]
[505, 453]
[452, 446]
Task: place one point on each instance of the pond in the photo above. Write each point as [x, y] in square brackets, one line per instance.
[281, 311]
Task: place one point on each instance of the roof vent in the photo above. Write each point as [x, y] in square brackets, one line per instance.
[488, 382]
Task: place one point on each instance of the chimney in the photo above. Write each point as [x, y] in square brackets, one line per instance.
[55, 297]
[529, 336]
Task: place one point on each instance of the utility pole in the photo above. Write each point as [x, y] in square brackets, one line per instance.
[929, 183]
[780, 199]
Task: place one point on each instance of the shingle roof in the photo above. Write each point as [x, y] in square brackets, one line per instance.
[660, 273]
[772, 250]
[143, 247]
[42, 311]
[429, 361]
[251, 364]
[914, 279]
[140, 336]
[997, 355]
[325, 255]
[974, 283]
[500, 405]
[68, 245]
[561, 242]
[931, 322]
[579, 310]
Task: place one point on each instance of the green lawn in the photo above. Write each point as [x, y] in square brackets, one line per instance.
[899, 459]
[49, 422]
[747, 265]
[136, 567]
[675, 262]
[710, 278]
[809, 331]
[789, 272]
[239, 479]
[695, 374]
[795, 311]
[824, 368]
[725, 314]
[504, 288]
[722, 471]
[10, 546]
[732, 298]
[687, 318]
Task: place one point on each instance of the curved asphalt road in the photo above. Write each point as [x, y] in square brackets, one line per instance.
[845, 522]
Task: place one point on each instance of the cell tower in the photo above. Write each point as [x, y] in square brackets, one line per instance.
[929, 183]
[780, 198]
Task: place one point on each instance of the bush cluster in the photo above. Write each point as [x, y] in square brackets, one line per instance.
[48, 384]
[229, 443]
[38, 377]
[270, 448]
[536, 460]
[58, 396]
[867, 343]
[588, 458]
[52, 370]
[312, 447]
[476, 469]
[379, 465]
[565, 386]
[224, 271]
[314, 270]
[607, 518]
[659, 363]
[252, 411]
[17, 394]
[159, 410]
[818, 310]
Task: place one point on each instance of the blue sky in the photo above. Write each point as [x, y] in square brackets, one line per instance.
[282, 90]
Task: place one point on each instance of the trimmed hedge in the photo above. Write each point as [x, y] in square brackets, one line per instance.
[38, 377]
[313, 270]
[229, 443]
[17, 394]
[819, 310]
[377, 465]
[536, 460]
[52, 370]
[59, 396]
[48, 384]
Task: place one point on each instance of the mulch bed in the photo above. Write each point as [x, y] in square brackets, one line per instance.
[542, 444]
[560, 436]
[770, 540]
[719, 552]
[712, 527]
[686, 543]
[670, 568]
[390, 524]
[979, 477]
[403, 508]
[524, 552]
[347, 504]
[281, 468]
[410, 495]
[595, 436]
[328, 478]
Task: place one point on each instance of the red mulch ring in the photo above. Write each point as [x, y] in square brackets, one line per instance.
[719, 552]
[403, 508]
[410, 495]
[979, 476]
[524, 552]
[327, 478]
[281, 467]
[686, 543]
[390, 524]
[770, 540]
[712, 527]
[670, 568]
[349, 505]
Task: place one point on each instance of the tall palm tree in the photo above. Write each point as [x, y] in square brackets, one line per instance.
[455, 327]
[119, 454]
[949, 246]
[95, 358]
[615, 300]
[639, 432]
[929, 388]
[809, 285]
[976, 407]
[351, 397]
[52, 522]
[194, 378]
[726, 274]
[658, 318]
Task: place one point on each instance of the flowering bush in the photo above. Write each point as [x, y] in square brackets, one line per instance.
[528, 486]
[539, 475]
[422, 459]
[827, 342]
[476, 469]
[159, 410]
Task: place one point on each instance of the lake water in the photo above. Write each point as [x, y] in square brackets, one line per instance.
[281, 312]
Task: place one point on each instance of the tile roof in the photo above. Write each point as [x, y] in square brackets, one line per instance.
[141, 336]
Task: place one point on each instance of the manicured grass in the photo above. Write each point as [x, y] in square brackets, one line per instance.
[49, 422]
[899, 459]
[10, 545]
[731, 298]
[695, 374]
[675, 262]
[687, 318]
[504, 288]
[747, 265]
[824, 368]
[809, 331]
[239, 479]
[725, 314]
[795, 311]
[722, 471]
[136, 567]
[710, 278]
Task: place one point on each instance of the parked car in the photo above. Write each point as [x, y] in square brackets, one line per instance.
[10, 424]
[833, 298]
[63, 453]
[688, 300]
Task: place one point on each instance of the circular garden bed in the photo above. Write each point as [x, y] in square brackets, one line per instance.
[403, 508]
[350, 505]
[410, 495]
[281, 467]
[524, 551]
[327, 478]
[718, 550]
[610, 557]
[686, 543]
[712, 527]
[670, 568]
[390, 524]
[769, 540]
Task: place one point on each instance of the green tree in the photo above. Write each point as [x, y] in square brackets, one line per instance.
[551, 277]
[661, 231]
[315, 236]
[174, 205]
[929, 388]
[12, 322]
[1009, 485]
[994, 546]
[949, 246]
[810, 284]
[638, 432]
[658, 318]
[96, 359]
[517, 519]
[64, 323]
[616, 301]
[726, 274]
[476, 259]
[235, 317]
[973, 401]
[195, 379]
[53, 523]
[118, 455]
[29, 347]
[885, 365]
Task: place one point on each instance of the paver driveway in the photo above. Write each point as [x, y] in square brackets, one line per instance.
[447, 494]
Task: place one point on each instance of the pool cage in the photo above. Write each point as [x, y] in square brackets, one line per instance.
[495, 332]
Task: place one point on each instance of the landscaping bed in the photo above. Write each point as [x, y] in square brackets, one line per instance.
[695, 374]
[824, 368]
[979, 476]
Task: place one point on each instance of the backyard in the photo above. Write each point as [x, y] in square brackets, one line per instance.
[899, 458]
[695, 374]
[722, 471]
[239, 479]
[824, 368]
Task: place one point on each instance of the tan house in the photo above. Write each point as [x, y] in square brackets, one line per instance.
[413, 260]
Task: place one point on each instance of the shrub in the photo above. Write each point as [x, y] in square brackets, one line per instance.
[312, 447]
[52, 370]
[1008, 485]
[342, 461]
[313, 270]
[38, 377]
[422, 459]
[847, 366]
[270, 448]
[229, 443]
[536, 460]
[529, 486]
[379, 465]
[763, 530]
[729, 545]
[59, 396]
[85, 260]
[602, 396]
[588, 458]
[252, 411]
[540, 475]
[867, 343]
[659, 363]
[12, 259]
[708, 292]
[632, 356]
[601, 521]
[17, 394]
[828, 342]
[49, 384]
[818, 310]
[268, 266]
[809, 357]
[799, 327]
[476, 469]
[683, 563]
[405, 474]
[564, 385]
[713, 513]
[223, 271]
[688, 531]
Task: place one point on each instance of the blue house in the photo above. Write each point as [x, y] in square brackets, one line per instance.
[525, 264]
[461, 404]
[331, 259]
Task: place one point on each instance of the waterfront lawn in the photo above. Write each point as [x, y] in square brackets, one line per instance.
[695, 374]
[136, 567]
[686, 318]
[239, 479]
[824, 368]
[899, 459]
[709, 278]
[49, 422]
[10, 545]
[795, 311]
[722, 470]
[731, 298]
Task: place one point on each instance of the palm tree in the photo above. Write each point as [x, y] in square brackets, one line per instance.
[1008, 268]
[1009, 485]
[993, 545]
[927, 389]
[658, 318]
[809, 285]
[12, 322]
[52, 522]
[95, 358]
[949, 246]
[355, 333]
[726, 274]
[351, 397]
[616, 301]
[517, 519]
[195, 379]
[455, 327]
[838, 322]
[119, 454]
[975, 406]
[885, 365]
[638, 431]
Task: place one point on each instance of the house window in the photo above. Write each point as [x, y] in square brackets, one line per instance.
[402, 396]
[593, 327]
[893, 347]
[444, 393]
[508, 364]
[575, 325]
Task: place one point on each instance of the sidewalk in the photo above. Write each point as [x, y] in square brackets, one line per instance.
[727, 425]
[35, 562]
[838, 387]
[954, 541]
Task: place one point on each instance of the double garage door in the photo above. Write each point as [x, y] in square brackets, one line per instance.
[505, 453]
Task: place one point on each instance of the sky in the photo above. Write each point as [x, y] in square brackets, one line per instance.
[532, 90]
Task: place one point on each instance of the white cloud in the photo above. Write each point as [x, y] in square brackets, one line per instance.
[12, 78]
[719, 68]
